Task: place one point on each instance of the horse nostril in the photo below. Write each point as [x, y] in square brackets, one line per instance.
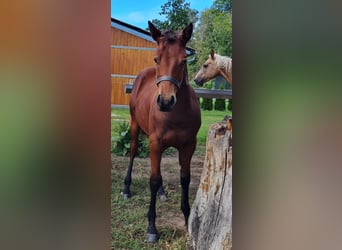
[172, 101]
[198, 82]
[166, 105]
[159, 100]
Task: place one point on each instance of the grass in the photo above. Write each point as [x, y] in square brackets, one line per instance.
[121, 113]
[118, 115]
[129, 218]
[208, 118]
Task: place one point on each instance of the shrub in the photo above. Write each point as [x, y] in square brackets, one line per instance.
[230, 104]
[144, 146]
[122, 141]
[207, 103]
[220, 104]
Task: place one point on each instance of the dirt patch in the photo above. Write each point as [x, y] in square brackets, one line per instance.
[169, 214]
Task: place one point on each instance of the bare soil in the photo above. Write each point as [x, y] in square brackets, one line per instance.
[171, 215]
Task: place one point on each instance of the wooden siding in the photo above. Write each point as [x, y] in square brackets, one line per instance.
[118, 91]
[127, 62]
[120, 37]
[130, 61]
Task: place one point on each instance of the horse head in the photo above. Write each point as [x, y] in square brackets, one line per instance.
[208, 71]
[214, 66]
[170, 61]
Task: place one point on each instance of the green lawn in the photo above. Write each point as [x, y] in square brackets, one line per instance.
[128, 220]
[208, 118]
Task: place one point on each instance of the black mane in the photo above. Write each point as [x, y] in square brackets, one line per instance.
[170, 36]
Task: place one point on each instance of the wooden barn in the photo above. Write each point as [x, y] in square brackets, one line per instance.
[132, 50]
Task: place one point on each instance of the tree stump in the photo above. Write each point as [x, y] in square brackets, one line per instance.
[210, 221]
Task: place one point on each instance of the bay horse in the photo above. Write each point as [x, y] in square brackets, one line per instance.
[164, 106]
[216, 65]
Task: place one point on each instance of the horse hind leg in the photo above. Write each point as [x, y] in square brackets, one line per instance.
[161, 194]
[185, 156]
[135, 130]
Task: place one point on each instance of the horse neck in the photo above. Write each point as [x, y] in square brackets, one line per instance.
[224, 67]
[184, 90]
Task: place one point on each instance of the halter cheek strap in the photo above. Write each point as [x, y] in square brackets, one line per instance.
[168, 78]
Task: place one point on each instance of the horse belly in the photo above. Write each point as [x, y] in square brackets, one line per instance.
[174, 139]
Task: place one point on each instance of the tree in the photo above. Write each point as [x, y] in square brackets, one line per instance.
[210, 220]
[222, 5]
[214, 31]
[178, 14]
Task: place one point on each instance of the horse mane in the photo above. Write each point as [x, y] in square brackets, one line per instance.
[185, 77]
[223, 62]
[169, 36]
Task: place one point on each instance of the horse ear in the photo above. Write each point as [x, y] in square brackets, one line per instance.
[212, 54]
[155, 33]
[187, 32]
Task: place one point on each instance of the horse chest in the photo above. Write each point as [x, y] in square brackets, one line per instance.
[176, 130]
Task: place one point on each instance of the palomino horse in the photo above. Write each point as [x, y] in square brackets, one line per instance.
[216, 65]
[165, 107]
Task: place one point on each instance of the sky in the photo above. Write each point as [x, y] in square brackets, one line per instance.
[138, 12]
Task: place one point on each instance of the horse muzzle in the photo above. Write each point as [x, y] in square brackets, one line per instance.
[166, 104]
[199, 81]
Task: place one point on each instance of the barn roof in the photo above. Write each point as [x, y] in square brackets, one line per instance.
[136, 31]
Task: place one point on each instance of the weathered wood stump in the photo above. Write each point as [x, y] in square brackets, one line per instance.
[210, 221]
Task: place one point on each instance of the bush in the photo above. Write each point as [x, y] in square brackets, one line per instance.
[121, 143]
[220, 104]
[207, 103]
[144, 146]
[230, 105]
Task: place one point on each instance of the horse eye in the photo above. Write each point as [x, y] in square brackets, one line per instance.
[156, 60]
[205, 65]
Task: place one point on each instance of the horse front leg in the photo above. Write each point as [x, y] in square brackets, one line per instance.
[135, 130]
[185, 155]
[155, 183]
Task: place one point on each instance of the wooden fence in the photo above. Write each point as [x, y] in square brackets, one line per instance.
[205, 93]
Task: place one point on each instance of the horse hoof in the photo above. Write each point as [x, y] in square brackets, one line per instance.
[152, 238]
[163, 197]
[126, 196]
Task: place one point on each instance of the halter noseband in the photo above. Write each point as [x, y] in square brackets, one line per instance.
[168, 78]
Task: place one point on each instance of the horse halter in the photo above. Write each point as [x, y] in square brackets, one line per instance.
[172, 79]
[169, 78]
